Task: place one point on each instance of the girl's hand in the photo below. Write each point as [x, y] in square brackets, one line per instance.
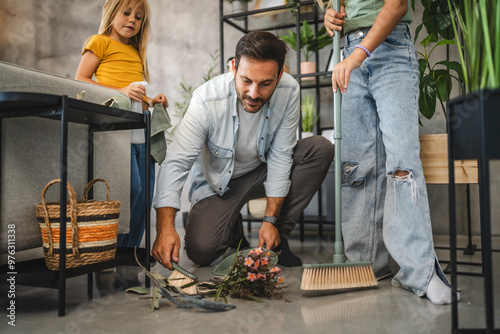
[134, 91]
[160, 98]
[342, 71]
[334, 20]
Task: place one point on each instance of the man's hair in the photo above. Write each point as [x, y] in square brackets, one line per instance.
[261, 46]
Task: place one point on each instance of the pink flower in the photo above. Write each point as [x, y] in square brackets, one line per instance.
[258, 250]
[248, 261]
[280, 280]
[251, 277]
[276, 270]
[261, 276]
[251, 252]
[264, 261]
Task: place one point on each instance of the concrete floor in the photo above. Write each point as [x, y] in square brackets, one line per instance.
[383, 309]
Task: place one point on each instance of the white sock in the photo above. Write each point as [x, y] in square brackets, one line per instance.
[438, 292]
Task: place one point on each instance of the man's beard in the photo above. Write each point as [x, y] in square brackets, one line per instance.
[258, 101]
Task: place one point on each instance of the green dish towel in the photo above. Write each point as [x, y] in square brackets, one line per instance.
[160, 122]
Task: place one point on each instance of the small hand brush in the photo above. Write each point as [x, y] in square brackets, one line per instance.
[183, 279]
[337, 275]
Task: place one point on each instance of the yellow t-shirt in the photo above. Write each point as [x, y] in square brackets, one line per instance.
[120, 64]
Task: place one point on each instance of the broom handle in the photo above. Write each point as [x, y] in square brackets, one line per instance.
[338, 257]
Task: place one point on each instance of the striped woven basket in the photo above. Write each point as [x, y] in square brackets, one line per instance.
[91, 228]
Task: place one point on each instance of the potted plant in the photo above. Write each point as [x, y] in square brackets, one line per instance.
[476, 112]
[309, 45]
[309, 118]
[239, 6]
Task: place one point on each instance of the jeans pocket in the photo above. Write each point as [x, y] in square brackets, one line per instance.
[397, 40]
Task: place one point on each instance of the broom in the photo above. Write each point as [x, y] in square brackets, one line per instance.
[183, 279]
[337, 275]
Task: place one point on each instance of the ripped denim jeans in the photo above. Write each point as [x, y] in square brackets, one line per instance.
[385, 205]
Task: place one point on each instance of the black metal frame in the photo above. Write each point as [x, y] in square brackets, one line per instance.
[478, 139]
[98, 118]
[320, 219]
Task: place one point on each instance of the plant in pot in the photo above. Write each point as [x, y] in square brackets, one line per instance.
[309, 45]
[437, 75]
[476, 113]
[239, 6]
[309, 118]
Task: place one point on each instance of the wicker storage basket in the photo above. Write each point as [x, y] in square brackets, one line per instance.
[91, 228]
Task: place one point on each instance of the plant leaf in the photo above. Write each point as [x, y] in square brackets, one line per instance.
[455, 66]
[443, 84]
[431, 38]
[138, 290]
[427, 99]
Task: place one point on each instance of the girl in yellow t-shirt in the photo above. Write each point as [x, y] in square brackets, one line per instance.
[117, 58]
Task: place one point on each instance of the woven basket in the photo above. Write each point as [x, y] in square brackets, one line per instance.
[91, 228]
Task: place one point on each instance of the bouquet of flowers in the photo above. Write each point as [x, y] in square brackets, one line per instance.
[253, 274]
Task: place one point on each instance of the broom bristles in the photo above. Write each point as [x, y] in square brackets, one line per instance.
[337, 277]
[179, 279]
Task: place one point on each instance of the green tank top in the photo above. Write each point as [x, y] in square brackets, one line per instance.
[362, 13]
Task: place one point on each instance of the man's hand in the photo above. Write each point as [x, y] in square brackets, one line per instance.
[268, 236]
[167, 244]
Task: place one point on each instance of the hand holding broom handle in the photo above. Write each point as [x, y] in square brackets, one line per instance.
[338, 256]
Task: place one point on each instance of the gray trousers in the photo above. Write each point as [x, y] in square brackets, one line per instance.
[211, 223]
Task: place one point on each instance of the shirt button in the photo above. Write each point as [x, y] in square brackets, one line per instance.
[216, 153]
[262, 138]
[220, 188]
[229, 172]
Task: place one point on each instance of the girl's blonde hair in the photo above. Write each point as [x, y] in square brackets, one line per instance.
[140, 41]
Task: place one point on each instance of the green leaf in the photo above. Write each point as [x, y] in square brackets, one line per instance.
[427, 99]
[431, 38]
[417, 30]
[454, 66]
[446, 41]
[443, 84]
[422, 65]
[138, 290]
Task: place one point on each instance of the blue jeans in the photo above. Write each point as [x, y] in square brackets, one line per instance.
[383, 212]
[138, 196]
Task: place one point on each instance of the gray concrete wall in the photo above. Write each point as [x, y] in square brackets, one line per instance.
[48, 35]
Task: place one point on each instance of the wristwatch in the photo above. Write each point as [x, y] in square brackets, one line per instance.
[271, 220]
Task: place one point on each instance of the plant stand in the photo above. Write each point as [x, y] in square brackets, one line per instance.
[474, 133]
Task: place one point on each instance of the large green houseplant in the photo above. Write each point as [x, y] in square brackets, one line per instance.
[436, 77]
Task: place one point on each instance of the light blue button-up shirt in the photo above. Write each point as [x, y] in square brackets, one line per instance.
[206, 139]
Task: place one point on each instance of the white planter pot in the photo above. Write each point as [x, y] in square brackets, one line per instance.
[307, 134]
[239, 7]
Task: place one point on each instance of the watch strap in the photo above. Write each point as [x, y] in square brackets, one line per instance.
[270, 219]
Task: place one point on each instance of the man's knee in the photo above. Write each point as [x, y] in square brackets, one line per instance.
[201, 252]
[318, 148]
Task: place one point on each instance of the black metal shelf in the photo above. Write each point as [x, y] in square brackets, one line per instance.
[98, 118]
